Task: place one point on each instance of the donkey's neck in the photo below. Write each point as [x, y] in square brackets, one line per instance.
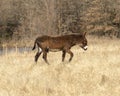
[77, 39]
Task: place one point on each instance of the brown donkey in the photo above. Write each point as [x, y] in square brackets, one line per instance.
[60, 43]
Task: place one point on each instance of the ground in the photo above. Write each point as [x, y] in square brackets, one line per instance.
[95, 72]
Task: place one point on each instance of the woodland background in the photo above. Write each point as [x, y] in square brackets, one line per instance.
[95, 72]
[27, 19]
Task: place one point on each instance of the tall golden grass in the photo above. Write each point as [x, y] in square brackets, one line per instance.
[95, 72]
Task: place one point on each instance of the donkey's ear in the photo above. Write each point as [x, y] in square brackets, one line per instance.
[84, 33]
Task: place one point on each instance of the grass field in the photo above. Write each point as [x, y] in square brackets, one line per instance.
[95, 72]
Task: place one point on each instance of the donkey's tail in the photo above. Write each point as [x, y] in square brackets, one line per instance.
[34, 45]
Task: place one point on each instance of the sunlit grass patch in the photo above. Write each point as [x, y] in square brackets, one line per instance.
[92, 72]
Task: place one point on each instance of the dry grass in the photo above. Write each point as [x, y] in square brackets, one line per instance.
[95, 72]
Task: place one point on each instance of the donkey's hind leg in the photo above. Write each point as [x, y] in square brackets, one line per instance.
[38, 54]
[45, 57]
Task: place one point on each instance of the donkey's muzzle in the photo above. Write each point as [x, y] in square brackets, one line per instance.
[84, 47]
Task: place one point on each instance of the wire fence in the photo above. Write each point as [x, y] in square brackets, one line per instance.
[6, 50]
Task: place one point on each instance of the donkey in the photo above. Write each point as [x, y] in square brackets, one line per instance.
[59, 43]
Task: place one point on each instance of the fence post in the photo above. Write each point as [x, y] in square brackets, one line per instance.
[16, 48]
[5, 49]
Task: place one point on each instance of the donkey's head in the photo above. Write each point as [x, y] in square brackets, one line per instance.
[84, 42]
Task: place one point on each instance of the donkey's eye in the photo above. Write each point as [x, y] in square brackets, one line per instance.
[85, 42]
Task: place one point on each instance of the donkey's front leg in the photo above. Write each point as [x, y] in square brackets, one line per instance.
[71, 54]
[63, 55]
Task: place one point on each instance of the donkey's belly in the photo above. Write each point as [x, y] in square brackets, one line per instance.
[54, 50]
